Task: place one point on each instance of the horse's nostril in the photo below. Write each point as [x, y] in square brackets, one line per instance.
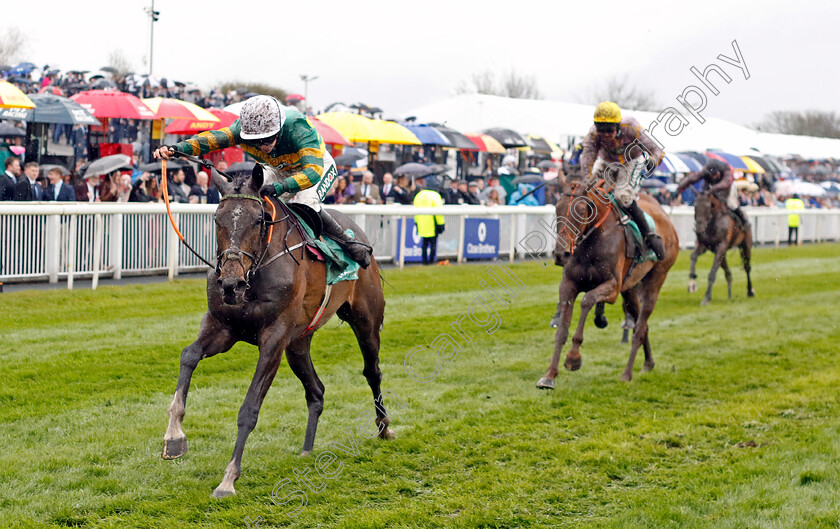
[240, 284]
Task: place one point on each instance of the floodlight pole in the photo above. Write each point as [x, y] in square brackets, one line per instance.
[306, 78]
[153, 17]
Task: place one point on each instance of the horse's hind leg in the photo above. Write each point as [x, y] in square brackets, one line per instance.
[646, 297]
[600, 320]
[728, 274]
[746, 250]
[631, 312]
[213, 338]
[365, 317]
[720, 253]
[699, 250]
[300, 361]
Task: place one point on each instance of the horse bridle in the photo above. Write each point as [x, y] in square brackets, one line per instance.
[234, 253]
[580, 237]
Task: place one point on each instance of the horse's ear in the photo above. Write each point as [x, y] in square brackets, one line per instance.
[257, 176]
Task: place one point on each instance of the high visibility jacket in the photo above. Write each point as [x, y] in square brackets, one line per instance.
[794, 204]
[426, 223]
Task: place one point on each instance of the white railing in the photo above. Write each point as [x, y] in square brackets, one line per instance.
[52, 242]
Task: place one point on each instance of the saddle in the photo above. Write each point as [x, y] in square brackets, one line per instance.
[340, 267]
[634, 245]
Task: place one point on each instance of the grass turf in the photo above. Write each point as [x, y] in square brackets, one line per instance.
[736, 427]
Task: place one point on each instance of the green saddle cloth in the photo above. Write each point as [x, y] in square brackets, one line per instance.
[643, 253]
[339, 265]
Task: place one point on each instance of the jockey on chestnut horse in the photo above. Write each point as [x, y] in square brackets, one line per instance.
[592, 244]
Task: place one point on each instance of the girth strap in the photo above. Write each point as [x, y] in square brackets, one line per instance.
[319, 313]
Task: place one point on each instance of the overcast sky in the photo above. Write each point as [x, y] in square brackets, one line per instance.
[401, 55]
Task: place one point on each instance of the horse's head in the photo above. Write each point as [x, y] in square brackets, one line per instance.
[576, 211]
[241, 229]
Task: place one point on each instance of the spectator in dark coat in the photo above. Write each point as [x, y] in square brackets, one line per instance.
[57, 190]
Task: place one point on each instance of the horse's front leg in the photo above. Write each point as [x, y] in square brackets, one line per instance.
[272, 342]
[699, 249]
[728, 274]
[605, 292]
[565, 308]
[213, 338]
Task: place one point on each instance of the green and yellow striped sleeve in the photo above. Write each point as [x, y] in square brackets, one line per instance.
[209, 141]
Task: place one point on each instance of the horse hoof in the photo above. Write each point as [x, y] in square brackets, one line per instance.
[601, 321]
[555, 321]
[573, 364]
[174, 448]
[387, 434]
[223, 493]
[626, 377]
[545, 383]
[305, 453]
[751, 294]
[692, 286]
[647, 367]
[704, 302]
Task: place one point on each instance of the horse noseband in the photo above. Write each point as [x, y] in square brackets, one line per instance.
[235, 254]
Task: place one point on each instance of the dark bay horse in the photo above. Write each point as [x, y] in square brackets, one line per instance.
[717, 231]
[267, 290]
[591, 249]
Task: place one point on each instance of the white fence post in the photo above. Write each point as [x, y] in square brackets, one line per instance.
[98, 243]
[173, 248]
[52, 247]
[115, 251]
[71, 250]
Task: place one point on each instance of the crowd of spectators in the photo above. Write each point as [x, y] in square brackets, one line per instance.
[494, 186]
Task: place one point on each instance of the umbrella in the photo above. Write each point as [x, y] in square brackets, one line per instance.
[328, 134]
[456, 139]
[109, 69]
[700, 158]
[156, 167]
[690, 162]
[170, 108]
[241, 168]
[486, 143]
[650, 183]
[291, 98]
[350, 156]
[789, 187]
[735, 162]
[50, 89]
[358, 128]
[414, 170]
[542, 145]
[12, 97]
[673, 164]
[47, 167]
[548, 164]
[752, 165]
[194, 126]
[51, 109]
[103, 84]
[743, 183]
[832, 188]
[507, 137]
[528, 178]
[113, 104]
[427, 134]
[108, 164]
[10, 131]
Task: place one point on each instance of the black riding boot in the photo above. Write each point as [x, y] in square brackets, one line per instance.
[741, 216]
[357, 250]
[653, 240]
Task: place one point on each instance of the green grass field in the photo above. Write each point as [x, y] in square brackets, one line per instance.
[737, 427]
